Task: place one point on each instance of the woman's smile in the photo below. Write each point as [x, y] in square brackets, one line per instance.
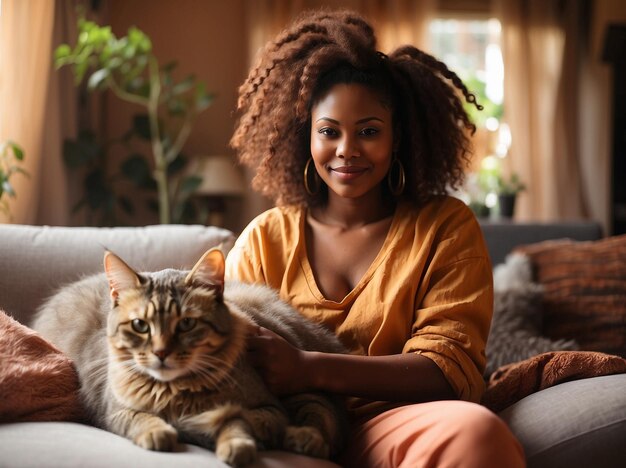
[348, 173]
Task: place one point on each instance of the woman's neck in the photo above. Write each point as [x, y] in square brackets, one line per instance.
[349, 213]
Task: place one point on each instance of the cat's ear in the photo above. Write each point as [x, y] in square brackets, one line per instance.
[119, 274]
[209, 271]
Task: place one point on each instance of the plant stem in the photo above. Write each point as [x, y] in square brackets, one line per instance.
[160, 160]
[126, 96]
[182, 136]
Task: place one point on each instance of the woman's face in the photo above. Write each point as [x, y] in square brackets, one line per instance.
[351, 140]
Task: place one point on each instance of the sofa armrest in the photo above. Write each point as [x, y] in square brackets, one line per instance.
[36, 260]
[503, 236]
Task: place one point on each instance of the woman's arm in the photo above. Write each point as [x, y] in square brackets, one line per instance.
[400, 377]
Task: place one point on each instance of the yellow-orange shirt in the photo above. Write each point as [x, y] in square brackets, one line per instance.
[428, 291]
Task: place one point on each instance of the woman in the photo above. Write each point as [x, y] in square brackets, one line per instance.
[358, 149]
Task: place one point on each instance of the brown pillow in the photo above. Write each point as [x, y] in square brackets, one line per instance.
[584, 287]
[37, 381]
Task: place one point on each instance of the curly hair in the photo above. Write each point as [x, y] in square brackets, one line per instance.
[324, 48]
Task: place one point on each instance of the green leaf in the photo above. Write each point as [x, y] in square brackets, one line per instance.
[203, 99]
[176, 107]
[145, 45]
[137, 169]
[80, 152]
[8, 188]
[176, 165]
[129, 51]
[80, 68]
[17, 151]
[97, 78]
[115, 63]
[139, 39]
[139, 86]
[62, 52]
[184, 85]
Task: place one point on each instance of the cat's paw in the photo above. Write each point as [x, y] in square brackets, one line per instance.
[237, 451]
[306, 440]
[162, 439]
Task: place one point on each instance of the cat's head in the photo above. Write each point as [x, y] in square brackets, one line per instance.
[169, 324]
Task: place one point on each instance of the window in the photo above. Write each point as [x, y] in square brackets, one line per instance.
[471, 48]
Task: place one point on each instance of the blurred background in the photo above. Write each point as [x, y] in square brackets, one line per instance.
[81, 81]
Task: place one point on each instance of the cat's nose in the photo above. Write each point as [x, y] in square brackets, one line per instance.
[162, 354]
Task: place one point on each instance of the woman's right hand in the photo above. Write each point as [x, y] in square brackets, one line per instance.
[280, 364]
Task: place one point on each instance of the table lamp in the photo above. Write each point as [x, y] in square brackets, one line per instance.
[221, 179]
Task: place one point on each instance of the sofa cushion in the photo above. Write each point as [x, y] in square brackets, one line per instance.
[37, 381]
[584, 291]
[64, 444]
[36, 260]
[577, 424]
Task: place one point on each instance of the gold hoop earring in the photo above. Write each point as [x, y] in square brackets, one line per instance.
[317, 184]
[397, 188]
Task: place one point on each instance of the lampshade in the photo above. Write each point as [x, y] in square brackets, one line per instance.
[220, 175]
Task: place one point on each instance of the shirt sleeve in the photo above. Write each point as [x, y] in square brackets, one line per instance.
[454, 309]
[243, 262]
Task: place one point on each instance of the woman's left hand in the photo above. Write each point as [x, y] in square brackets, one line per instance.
[280, 364]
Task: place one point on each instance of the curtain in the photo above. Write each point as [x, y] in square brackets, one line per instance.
[399, 22]
[30, 110]
[541, 44]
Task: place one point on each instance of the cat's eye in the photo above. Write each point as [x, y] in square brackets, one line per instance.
[140, 326]
[186, 324]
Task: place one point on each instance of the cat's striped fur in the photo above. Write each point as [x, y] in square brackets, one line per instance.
[161, 358]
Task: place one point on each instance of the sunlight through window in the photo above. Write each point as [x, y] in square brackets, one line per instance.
[471, 48]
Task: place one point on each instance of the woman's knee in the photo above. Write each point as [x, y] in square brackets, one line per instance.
[478, 433]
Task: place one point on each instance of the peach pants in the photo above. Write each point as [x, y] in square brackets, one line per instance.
[438, 434]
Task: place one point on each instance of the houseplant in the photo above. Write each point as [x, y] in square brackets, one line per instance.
[501, 190]
[127, 67]
[11, 155]
[507, 189]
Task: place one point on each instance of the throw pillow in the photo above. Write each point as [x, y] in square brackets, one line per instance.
[515, 333]
[584, 287]
[37, 381]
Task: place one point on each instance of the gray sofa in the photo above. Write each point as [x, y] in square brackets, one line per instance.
[576, 424]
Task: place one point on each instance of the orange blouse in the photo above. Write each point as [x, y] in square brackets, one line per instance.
[428, 291]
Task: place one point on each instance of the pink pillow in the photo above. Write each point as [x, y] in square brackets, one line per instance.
[37, 381]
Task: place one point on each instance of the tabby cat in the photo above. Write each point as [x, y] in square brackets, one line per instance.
[162, 357]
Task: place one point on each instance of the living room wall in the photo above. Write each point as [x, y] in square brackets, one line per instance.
[211, 40]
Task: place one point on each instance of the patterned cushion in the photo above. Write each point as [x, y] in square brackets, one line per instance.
[584, 287]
